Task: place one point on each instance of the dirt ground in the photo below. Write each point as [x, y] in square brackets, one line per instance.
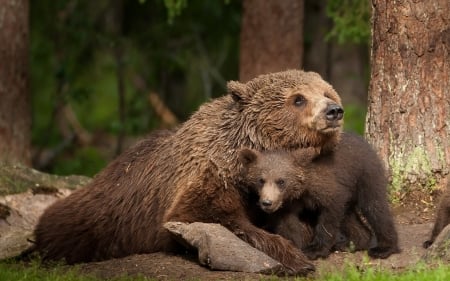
[414, 222]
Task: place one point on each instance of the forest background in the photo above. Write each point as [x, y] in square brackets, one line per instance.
[105, 73]
[80, 81]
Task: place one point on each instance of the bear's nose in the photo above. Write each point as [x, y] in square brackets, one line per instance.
[266, 202]
[334, 112]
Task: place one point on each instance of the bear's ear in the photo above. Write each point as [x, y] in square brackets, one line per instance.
[247, 156]
[237, 90]
[304, 156]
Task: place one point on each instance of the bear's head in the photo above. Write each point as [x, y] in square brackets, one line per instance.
[276, 176]
[289, 109]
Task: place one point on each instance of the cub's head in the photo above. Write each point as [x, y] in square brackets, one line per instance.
[288, 110]
[277, 176]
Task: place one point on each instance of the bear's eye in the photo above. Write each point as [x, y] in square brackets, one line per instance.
[280, 182]
[327, 95]
[299, 100]
[261, 181]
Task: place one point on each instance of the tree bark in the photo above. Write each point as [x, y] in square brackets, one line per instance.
[271, 37]
[15, 115]
[408, 119]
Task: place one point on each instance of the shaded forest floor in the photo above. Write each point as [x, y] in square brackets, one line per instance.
[414, 222]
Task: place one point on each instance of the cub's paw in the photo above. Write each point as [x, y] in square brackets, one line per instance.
[427, 243]
[382, 252]
[342, 244]
[299, 267]
[314, 252]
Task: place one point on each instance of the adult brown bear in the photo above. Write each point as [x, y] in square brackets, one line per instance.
[315, 200]
[190, 175]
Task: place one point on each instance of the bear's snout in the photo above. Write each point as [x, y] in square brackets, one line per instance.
[334, 112]
[266, 203]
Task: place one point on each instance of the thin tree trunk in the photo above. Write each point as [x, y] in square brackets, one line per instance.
[15, 115]
[408, 120]
[271, 37]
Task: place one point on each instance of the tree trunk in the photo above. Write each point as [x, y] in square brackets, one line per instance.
[408, 119]
[271, 37]
[15, 115]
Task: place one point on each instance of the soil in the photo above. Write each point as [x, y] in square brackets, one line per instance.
[414, 218]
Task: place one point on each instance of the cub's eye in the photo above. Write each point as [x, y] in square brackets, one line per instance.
[327, 95]
[261, 181]
[280, 182]
[299, 100]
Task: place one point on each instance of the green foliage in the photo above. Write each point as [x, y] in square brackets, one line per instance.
[354, 118]
[73, 53]
[174, 8]
[185, 51]
[84, 161]
[351, 20]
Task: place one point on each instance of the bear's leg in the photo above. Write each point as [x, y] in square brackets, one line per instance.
[355, 234]
[275, 246]
[326, 230]
[63, 233]
[208, 201]
[442, 219]
[376, 210]
[292, 228]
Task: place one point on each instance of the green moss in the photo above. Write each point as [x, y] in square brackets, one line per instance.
[17, 178]
[411, 170]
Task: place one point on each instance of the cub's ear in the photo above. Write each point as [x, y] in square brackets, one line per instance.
[304, 156]
[247, 156]
[237, 90]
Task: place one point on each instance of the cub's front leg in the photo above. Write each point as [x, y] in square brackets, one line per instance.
[325, 232]
[291, 227]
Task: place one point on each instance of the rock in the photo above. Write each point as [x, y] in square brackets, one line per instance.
[24, 195]
[17, 224]
[220, 249]
[440, 249]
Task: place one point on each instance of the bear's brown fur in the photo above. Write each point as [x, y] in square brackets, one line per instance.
[353, 235]
[300, 189]
[190, 175]
[442, 216]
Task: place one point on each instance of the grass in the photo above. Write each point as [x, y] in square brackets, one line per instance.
[419, 273]
[10, 271]
[14, 271]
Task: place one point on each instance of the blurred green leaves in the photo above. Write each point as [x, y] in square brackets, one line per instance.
[183, 50]
[351, 20]
[174, 8]
[73, 64]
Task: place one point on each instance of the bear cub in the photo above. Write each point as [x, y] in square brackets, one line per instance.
[442, 217]
[317, 200]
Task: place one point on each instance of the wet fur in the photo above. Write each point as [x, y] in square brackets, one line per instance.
[190, 175]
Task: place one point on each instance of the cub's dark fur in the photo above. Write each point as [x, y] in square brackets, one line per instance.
[314, 200]
[442, 217]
